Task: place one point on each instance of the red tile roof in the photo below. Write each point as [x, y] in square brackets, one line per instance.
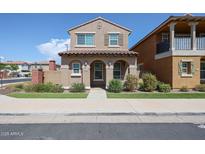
[97, 52]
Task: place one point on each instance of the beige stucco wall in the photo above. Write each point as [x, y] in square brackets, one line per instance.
[86, 63]
[52, 76]
[190, 82]
[99, 34]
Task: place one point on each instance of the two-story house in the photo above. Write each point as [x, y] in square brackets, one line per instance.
[175, 51]
[98, 53]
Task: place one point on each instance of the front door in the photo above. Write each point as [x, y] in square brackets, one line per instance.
[98, 74]
[202, 72]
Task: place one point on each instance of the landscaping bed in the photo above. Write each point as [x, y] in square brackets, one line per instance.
[141, 95]
[48, 95]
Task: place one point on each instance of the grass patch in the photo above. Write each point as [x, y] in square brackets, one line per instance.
[48, 95]
[156, 95]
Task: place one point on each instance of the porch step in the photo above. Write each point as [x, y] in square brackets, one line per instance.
[97, 94]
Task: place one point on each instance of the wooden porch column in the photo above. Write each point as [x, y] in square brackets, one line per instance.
[171, 29]
[193, 35]
[86, 75]
[109, 73]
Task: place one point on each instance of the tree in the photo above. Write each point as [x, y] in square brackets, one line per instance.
[14, 67]
[2, 66]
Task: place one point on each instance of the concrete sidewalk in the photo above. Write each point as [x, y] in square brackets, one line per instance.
[10, 105]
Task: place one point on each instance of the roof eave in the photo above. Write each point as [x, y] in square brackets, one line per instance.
[98, 19]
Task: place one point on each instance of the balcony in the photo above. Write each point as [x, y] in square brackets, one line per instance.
[181, 43]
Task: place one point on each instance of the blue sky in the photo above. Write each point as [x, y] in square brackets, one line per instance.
[33, 37]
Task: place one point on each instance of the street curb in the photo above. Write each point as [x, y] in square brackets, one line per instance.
[109, 114]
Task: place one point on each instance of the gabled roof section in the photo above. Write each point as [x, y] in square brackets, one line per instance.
[185, 18]
[100, 18]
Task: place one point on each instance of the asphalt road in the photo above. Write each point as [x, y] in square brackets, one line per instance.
[103, 131]
[5, 81]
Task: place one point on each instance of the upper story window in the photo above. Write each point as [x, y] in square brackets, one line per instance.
[114, 39]
[85, 39]
[165, 37]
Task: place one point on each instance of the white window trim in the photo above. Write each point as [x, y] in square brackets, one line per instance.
[84, 45]
[73, 73]
[186, 74]
[114, 46]
[118, 70]
[102, 72]
[167, 35]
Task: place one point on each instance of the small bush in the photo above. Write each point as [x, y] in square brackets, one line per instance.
[200, 87]
[19, 86]
[184, 89]
[77, 87]
[131, 82]
[149, 81]
[47, 87]
[115, 86]
[141, 86]
[162, 87]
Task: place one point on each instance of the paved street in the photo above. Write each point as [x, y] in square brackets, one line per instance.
[6, 81]
[103, 131]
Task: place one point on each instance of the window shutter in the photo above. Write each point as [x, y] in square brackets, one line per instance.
[180, 68]
[192, 68]
[106, 39]
[121, 39]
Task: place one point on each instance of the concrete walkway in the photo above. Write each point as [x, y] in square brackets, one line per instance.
[99, 105]
[96, 94]
[98, 109]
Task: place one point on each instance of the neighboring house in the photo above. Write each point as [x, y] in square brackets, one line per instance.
[175, 51]
[42, 65]
[23, 68]
[98, 53]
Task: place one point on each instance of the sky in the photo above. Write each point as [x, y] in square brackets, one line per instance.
[37, 37]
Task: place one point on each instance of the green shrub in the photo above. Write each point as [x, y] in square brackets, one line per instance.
[184, 89]
[141, 86]
[131, 82]
[77, 87]
[149, 81]
[200, 87]
[115, 86]
[18, 86]
[47, 87]
[29, 88]
[162, 87]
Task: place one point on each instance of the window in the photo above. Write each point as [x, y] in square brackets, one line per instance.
[186, 68]
[98, 71]
[117, 71]
[85, 39]
[113, 39]
[165, 37]
[202, 74]
[76, 68]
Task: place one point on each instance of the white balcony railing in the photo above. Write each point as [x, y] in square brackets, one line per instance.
[182, 43]
[200, 43]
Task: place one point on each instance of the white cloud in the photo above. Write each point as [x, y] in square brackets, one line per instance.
[53, 47]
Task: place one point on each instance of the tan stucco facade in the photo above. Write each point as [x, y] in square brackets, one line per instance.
[129, 65]
[167, 65]
[100, 52]
[100, 29]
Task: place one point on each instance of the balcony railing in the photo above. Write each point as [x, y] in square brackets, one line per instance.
[181, 43]
[200, 43]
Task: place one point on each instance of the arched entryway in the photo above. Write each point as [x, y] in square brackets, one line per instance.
[98, 74]
[120, 70]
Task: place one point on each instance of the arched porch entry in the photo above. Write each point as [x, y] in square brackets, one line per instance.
[120, 70]
[98, 74]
